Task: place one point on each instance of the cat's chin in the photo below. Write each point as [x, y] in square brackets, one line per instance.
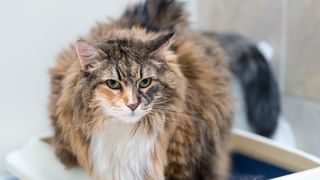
[131, 118]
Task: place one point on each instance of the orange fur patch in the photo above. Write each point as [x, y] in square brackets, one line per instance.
[111, 96]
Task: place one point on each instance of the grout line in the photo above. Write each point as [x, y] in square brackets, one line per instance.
[192, 9]
[283, 56]
[302, 99]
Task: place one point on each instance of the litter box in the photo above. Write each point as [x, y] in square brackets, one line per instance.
[254, 157]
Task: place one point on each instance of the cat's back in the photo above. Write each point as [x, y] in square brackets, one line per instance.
[204, 64]
[208, 93]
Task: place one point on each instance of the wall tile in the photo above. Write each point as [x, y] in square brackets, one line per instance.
[304, 117]
[259, 20]
[303, 49]
[292, 28]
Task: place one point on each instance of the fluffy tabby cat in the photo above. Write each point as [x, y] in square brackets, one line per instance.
[133, 100]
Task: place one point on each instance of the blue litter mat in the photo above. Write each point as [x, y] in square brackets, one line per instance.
[247, 168]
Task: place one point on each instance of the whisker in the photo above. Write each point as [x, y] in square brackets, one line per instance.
[181, 112]
[135, 128]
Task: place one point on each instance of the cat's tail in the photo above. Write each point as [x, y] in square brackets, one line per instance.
[155, 15]
[248, 63]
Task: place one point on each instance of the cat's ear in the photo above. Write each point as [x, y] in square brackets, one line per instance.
[160, 42]
[87, 54]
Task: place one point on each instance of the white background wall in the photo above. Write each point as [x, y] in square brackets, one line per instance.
[31, 35]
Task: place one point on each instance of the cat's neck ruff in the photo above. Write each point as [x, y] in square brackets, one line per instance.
[119, 154]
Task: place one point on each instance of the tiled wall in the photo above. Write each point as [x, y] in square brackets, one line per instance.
[258, 19]
[303, 49]
[292, 27]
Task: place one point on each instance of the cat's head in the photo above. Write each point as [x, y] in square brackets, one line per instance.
[133, 77]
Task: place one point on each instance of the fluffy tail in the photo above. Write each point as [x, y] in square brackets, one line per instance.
[260, 89]
[155, 15]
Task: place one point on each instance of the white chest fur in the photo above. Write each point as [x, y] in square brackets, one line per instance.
[118, 155]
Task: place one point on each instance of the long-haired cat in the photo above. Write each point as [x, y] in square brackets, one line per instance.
[133, 100]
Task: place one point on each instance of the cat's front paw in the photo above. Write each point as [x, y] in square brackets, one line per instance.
[67, 158]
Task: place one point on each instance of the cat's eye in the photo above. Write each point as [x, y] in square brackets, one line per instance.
[145, 83]
[113, 84]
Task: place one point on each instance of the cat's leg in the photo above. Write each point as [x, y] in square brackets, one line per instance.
[66, 157]
[221, 167]
[61, 149]
[182, 154]
[214, 161]
[193, 158]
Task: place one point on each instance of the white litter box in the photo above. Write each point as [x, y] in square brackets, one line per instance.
[253, 155]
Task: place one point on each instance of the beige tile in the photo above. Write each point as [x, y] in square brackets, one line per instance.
[257, 19]
[304, 117]
[303, 49]
[292, 27]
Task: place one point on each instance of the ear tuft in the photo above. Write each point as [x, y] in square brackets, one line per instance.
[159, 42]
[87, 54]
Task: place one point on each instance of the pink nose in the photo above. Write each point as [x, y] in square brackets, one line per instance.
[133, 106]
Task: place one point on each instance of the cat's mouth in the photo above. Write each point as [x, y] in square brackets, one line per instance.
[125, 114]
[129, 116]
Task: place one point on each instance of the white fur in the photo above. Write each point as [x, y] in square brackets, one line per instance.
[266, 49]
[118, 155]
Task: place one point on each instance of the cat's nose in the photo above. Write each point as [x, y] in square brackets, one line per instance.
[133, 106]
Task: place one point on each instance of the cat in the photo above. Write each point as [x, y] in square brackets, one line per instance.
[255, 88]
[143, 97]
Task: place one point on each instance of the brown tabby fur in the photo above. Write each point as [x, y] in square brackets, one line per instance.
[194, 126]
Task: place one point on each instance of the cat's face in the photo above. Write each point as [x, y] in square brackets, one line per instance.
[128, 90]
[133, 79]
